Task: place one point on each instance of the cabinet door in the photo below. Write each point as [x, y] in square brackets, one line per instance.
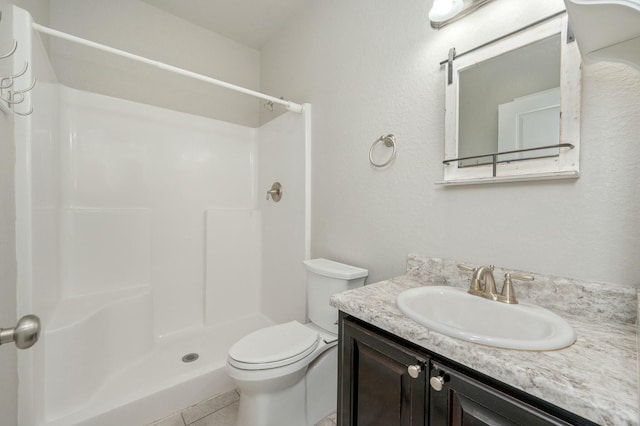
[465, 401]
[374, 385]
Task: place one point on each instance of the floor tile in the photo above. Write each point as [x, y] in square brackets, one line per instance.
[330, 420]
[227, 416]
[173, 420]
[209, 406]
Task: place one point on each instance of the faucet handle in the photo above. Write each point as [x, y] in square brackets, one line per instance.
[508, 295]
[467, 268]
[521, 277]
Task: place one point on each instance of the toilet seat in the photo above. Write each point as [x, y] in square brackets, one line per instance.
[274, 347]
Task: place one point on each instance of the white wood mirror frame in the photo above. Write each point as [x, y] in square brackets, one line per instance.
[564, 165]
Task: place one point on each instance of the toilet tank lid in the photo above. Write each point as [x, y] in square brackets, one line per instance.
[329, 268]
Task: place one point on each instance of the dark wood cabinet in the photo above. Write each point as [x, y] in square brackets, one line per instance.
[465, 401]
[386, 381]
[375, 386]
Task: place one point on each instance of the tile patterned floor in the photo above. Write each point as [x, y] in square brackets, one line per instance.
[221, 410]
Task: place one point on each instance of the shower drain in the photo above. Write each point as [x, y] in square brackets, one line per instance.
[190, 357]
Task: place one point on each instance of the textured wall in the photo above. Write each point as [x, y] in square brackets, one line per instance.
[373, 69]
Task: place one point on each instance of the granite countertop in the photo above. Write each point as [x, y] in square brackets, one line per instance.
[596, 377]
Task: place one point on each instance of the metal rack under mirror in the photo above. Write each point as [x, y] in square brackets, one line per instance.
[494, 156]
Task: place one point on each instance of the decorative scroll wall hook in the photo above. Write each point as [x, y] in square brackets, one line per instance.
[17, 96]
[29, 112]
[31, 86]
[12, 51]
[9, 98]
[10, 79]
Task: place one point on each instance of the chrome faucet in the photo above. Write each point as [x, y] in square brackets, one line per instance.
[483, 284]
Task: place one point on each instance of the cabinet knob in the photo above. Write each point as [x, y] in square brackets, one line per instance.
[437, 383]
[414, 370]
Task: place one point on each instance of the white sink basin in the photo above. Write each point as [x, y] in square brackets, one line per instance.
[454, 312]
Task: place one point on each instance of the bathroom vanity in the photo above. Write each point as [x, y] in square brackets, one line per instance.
[394, 371]
[388, 381]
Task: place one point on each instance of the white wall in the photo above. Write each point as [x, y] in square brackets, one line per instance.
[39, 9]
[142, 29]
[8, 318]
[371, 69]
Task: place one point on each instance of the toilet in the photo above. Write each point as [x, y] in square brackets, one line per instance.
[287, 373]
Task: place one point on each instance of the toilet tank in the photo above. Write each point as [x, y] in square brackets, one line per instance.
[325, 278]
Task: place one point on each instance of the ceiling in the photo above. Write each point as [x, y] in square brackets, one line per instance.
[250, 22]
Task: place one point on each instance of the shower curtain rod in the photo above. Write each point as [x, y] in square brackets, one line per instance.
[290, 106]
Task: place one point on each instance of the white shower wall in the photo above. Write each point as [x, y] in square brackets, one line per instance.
[142, 234]
[125, 204]
[284, 156]
[147, 221]
[140, 185]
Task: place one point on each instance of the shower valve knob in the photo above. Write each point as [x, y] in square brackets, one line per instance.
[25, 334]
[275, 192]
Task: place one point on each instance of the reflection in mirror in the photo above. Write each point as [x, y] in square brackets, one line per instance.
[511, 102]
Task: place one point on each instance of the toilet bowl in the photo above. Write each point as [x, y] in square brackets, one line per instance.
[287, 373]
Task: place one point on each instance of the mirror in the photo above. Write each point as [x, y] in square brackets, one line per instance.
[523, 85]
[521, 92]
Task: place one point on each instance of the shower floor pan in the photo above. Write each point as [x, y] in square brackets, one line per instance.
[161, 383]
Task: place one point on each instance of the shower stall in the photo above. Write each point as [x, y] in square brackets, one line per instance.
[146, 245]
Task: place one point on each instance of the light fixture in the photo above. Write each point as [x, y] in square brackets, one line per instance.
[444, 12]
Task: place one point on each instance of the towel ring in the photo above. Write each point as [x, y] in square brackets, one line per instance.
[389, 142]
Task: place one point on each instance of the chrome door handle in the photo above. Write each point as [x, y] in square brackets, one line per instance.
[25, 334]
